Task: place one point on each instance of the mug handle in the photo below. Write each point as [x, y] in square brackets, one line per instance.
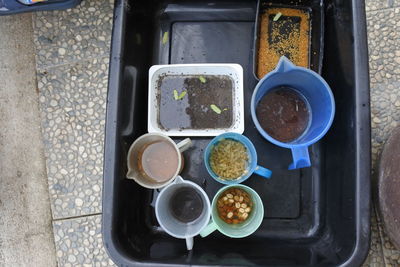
[189, 243]
[301, 159]
[263, 172]
[184, 144]
[211, 227]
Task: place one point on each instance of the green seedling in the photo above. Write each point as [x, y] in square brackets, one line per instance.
[215, 109]
[277, 16]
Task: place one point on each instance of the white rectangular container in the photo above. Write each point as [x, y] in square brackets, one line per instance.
[235, 71]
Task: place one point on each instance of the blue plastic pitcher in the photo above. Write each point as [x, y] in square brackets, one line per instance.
[320, 100]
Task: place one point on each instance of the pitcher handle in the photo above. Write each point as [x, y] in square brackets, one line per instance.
[301, 159]
[184, 144]
[211, 227]
[189, 243]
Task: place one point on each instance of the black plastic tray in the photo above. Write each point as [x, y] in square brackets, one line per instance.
[313, 216]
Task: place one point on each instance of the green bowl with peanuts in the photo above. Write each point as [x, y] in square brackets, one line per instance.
[237, 212]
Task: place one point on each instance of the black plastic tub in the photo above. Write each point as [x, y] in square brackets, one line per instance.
[313, 216]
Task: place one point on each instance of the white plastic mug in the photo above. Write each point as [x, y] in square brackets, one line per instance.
[173, 226]
[133, 157]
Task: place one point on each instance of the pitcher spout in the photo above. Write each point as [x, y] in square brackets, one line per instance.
[130, 174]
[284, 65]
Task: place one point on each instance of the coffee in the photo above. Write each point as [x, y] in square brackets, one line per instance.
[283, 113]
[186, 204]
[158, 161]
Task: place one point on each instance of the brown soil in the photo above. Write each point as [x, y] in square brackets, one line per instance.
[194, 110]
[288, 36]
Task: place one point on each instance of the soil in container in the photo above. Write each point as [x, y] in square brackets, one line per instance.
[283, 113]
[283, 32]
[195, 101]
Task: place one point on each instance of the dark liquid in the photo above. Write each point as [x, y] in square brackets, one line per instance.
[283, 114]
[186, 204]
[193, 111]
[158, 161]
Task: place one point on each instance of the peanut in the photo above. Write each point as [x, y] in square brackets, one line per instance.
[234, 206]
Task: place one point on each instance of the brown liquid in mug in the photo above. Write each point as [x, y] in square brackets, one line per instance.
[283, 114]
[158, 161]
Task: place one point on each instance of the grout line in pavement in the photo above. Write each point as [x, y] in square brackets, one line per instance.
[76, 217]
[44, 68]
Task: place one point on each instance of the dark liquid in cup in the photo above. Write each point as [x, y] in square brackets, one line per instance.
[283, 113]
[158, 161]
[186, 204]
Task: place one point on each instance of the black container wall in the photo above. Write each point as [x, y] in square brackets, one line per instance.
[315, 216]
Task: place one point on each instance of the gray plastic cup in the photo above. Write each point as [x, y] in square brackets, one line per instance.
[173, 226]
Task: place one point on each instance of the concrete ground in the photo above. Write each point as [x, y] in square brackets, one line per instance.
[26, 233]
[53, 84]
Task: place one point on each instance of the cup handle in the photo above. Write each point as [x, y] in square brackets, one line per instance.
[184, 144]
[211, 227]
[263, 172]
[301, 159]
[189, 243]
